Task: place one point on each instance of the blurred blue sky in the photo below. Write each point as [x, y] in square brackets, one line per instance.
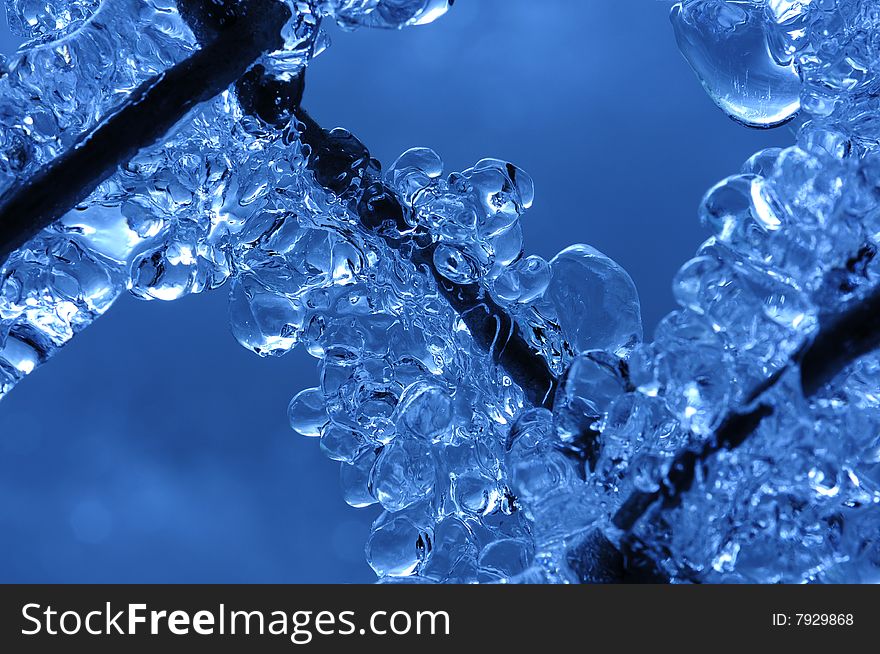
[153, 448]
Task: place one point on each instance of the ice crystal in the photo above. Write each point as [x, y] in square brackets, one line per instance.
[371, 270]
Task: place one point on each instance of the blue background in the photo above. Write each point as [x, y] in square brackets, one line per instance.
[155, 449]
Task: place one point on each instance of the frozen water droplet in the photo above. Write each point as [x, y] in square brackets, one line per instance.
[595, 300]
[262, 321]
[501, 190]
[455, 265]
[426, 409]
[398, 547]
[389, 14]
[592, 382]
[306, 412]
[355, 480]
[403, 474]
[523, 282]
[413, 171]
[536, 465]
[342, 444]
[727, 44]
[738, 209]
[165, 273]
[506, 557]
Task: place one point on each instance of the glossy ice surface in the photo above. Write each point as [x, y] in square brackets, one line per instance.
[475, 484]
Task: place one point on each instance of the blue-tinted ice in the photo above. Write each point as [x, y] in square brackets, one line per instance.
[474, 483]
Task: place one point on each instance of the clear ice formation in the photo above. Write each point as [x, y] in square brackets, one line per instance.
[391, 14]
[762, 61]
[44, 20]
[476, 484]
[715, 36]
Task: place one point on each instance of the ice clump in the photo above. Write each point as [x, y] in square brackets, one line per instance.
[384, 13]
[358, 266]
[728, 44]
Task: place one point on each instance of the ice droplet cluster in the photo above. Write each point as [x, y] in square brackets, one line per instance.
[763, 61]
[794, 237]
[39, 20]
[477, 485]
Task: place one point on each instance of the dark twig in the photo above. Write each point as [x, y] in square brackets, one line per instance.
[842, 339]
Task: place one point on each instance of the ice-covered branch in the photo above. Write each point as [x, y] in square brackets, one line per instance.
[843, 337]
[343, 165]
[324, 248]
[244, 32]
[493, 328]
[232, 37]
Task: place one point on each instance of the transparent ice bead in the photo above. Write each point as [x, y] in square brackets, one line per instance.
[523, 282]
[501, 190]
[593, 380]
[728, 45]
[389, 14]
[403, 474]
[306, 412]
[535, 462]
[457, 264]
[595, 300]
[413, 171]
[355, 480]
[264, 322]
[400, 544]
[426, 410]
